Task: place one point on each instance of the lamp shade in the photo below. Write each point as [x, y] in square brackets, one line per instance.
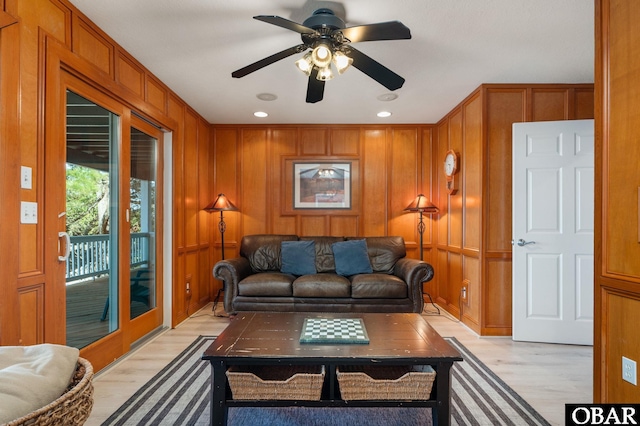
[221, 203]
[421, 204]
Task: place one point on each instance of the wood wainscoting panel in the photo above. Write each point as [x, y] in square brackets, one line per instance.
[129, 74]
[503, 108]
[343, 226]
[156, 93]
[403, 180]
[253, 180]
[454, 284]
[345, 142]
[285, 224]
[205, 277]
[442, 196]
[177, 112]
[497, 297]
[427, 169]
[190, 176]
[456, 219]
[191, 260]
[313, 225]
[472, 163]
[549, 104]
[617, 252]
[205, 183]
[441, 277]
[583, 104]
[52, 16]
[10, 161]
[314, 141]
[471, 307]
[621, 338]
[374, 184]
[31, 303]
[180, 297]
[621, 251]
[93, 46]
[283, 144]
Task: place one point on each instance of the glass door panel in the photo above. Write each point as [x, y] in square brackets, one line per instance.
[91, 221]
[142, 222]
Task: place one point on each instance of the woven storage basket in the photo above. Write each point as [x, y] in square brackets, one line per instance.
[297, 382]
[411, 382]
[72, 408]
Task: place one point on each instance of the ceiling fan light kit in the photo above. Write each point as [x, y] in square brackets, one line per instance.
[330, 42]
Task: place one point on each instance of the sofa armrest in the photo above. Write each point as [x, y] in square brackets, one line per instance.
[231, 272]
[414, 272]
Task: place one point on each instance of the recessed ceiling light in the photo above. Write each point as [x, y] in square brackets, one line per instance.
[384, 114]
[260, 114]
[387, 97]
[266, 96]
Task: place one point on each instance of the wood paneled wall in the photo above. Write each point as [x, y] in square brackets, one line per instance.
[617, 175]
[474, 225]
[56, 29]
[390, 165]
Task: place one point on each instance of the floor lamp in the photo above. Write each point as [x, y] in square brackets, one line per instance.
[423, 206]
[220, 204]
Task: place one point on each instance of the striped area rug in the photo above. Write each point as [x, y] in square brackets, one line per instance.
[179, 395]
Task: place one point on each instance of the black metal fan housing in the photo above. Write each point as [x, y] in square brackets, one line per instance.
[325, 28]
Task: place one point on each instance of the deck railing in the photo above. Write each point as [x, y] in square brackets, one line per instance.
[89, 254]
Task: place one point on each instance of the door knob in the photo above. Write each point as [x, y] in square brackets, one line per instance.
[522, 242]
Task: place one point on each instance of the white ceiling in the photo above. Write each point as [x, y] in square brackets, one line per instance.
[193, 46]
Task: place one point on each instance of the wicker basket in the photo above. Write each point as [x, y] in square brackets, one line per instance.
[297, 382]
[359, 382]
[72, 408]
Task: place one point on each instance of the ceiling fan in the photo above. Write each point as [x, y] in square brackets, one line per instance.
[325, 34]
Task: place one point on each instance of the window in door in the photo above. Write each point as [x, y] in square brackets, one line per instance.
[142, 222]
[91, 221]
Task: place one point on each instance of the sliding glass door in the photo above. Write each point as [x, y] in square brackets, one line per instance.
[91, 221]
[145, 234]
[113, 222]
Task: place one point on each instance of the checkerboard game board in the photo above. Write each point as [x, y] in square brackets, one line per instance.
[334, 330]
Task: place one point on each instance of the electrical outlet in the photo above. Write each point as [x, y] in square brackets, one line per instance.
[188, 283]
[464, 293]
[629, 373]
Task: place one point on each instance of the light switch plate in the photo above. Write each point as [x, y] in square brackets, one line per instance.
[28, 212]
[26, 177]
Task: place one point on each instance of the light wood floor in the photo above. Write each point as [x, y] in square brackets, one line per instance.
[547, 376]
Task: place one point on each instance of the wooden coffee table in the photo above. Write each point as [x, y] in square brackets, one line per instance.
[269, 338]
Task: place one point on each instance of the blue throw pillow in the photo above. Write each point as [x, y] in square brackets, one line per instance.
[298, 257]
[351, 257]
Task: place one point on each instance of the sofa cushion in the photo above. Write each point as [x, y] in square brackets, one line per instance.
[378, 286]
[351, 257]
[266, 284]
[324, 253]
[384, 252]
[298, 257]
[321, 285]
[263, 251]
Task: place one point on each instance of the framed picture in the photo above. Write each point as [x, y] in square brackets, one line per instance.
[321, 185]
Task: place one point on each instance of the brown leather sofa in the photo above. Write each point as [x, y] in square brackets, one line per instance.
[255, 281]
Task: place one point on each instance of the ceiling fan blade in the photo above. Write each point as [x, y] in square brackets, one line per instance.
[375, 70]
[393, 30]
[268, 60]
[315, 88]
[285, 23]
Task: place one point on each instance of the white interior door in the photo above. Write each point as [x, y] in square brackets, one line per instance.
[553, 204]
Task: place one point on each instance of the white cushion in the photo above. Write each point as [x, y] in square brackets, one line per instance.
[33, 376]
